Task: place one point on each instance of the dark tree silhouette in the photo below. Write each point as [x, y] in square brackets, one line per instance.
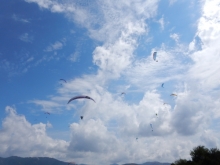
[201, 156]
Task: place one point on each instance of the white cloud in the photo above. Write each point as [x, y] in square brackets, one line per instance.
[22, 63]
[74, 56]
[208, 25]
[172, 2]
[26, 37]
[49, 125]
[30, 59]
[17, 18]
[147, 74]
[210, 139]
[47, 106]
[91, 137]
[206, 59]
[56, 46]
[15, 127]
[41, 3]
[161, 22]
[118, 28]
[111, 125]
[175, 37]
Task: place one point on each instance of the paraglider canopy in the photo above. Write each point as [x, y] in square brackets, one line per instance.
[173, 94]
[81, 117]
[123, 93]
[47, 113]
[155, 56]
[80, 97]
[151, 127]
[63, 80]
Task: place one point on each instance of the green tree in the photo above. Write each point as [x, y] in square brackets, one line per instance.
[201, 156]
[214, 156]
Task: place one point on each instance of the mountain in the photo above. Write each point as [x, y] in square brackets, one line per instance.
[155, 163]
[14, 160]
[149, 163]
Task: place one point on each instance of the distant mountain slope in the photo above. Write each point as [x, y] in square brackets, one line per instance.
[155, 163]
[14, 160]
[149, 163]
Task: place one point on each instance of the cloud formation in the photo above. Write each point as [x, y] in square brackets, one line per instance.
[112, 124]
[26, 37]
[37, 143]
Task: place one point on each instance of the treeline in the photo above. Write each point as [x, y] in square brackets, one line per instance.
[201, 156]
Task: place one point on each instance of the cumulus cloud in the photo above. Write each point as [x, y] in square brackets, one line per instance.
[37, 143]
[112, 124]
[210, 139]
[208, 34]
[119, 29]
[190, 118]
[91, 137]
[49, 125]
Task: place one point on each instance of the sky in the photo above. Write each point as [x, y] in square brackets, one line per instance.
[104, 48]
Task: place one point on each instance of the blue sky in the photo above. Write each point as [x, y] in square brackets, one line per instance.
[104, 48]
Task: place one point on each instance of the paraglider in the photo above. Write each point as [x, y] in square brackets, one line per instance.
[151, 127]
[155, 56]
[47, 113]
[173, 94]
[80, 97]
[81, 117]
[162, 85]
[123, 93]
[63, 80]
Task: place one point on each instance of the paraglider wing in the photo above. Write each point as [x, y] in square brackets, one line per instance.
[155, 56]
[162, 85]
[80, 97]
[47, 113]
[81, 117]
[123, 93]
[173, 94]
[63, 80]
[152, 127]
